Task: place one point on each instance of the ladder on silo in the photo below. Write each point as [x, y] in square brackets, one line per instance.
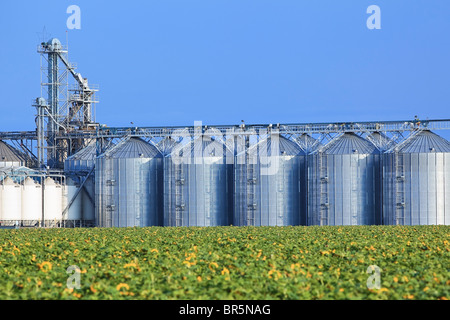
[399, 189]
[109, 197]
[356, 203]
[251, 199]
[179, 201]
[323, 188]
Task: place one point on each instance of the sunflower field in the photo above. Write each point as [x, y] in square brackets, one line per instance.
[251, 263]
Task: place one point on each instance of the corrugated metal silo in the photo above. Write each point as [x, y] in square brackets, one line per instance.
[267, 184]
[128, 184]
[88, 199]
[197, 184]
[83, 160]
[10, 157]
[309, 145]
[417, 181]
[81, 163]
[344, 186]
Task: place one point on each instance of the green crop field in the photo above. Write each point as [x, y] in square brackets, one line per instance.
[226, 263]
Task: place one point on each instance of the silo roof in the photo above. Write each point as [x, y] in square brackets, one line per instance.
[9, 154]
[306, 138]
[285, 147]
[166, 145]
[133, 147]
[380, 140]
[425, 142]
[307, 141]
[200, 146]
[87, 153]
[380, 137]
[349, 143]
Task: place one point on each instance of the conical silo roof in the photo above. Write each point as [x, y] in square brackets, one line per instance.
[29, 182]
[307, 142]
[133, 148]
[349, 143]
[380, 140]
[203, 146]
[285, 147]
[8, 182]
[166, 145]
[9, 154]
[425, 142]
[87, 153]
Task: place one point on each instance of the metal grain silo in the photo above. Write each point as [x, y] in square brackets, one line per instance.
[10, 157]
[128, 184]
[11, 200]
[31, 200]
[309, 145]
[80, 166]
[88, 199]
[416, 184]
[267, 184]
[83, 160]
[197, 184]
[344, 186]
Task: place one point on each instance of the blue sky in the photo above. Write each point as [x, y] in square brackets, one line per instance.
[170, 62]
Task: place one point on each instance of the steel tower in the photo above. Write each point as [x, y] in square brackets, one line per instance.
[68, 108]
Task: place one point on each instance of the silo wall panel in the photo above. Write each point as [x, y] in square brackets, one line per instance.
[350, 187]
[268, 198]
[196, 194]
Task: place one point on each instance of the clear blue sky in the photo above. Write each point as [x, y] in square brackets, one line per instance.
[170, 62]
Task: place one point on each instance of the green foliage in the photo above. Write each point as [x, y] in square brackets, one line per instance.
[226, 262]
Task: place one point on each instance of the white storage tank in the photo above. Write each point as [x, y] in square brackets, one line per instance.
[11, 200]
[52, 200]
[31, 200]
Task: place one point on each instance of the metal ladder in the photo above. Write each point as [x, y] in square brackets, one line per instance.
[109, 199]
[251, 204]
[179, 201]
[323, 188]
[399, 189]
[356, 204]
